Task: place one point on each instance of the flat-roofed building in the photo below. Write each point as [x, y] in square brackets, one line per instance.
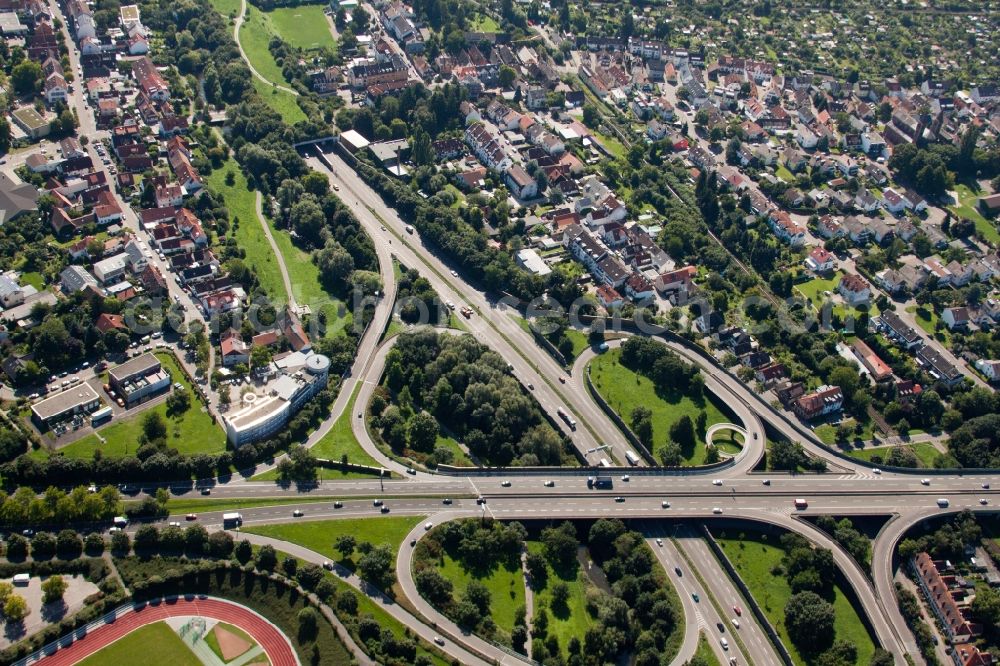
[79, 399]
[298, 376]
[139, 378]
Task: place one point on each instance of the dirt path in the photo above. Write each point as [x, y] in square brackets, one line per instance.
[258, 202]
[237, 24]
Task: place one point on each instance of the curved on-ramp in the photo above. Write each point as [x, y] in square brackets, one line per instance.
[275, 644]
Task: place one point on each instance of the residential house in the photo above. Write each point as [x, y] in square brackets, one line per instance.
[891, 324]
[855, 290]
[825, 400]
[956, 318]
[940, 592]
[821, 260]
[931, 359]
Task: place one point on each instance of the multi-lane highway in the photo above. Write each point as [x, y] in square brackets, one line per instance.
[729, 493]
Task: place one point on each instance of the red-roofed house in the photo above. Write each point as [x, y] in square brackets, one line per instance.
[938, 590]
[855, 289]
[825, 400]
[234, 350]
[150, 81]
[106, 322]
[878, 368]
[609, 297]
[295, 334]
[821, 261]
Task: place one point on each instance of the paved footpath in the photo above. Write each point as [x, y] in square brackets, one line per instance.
[274, 643]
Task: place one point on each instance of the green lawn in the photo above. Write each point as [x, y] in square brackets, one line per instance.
[213, 642]
[193, 432]
[280, 100]
[579, 341]
[927, 319]
[304, 27]
[754, 559]
[575, 620]
[320, 535]
[460, 459]
[926, 453]
[625, 390]
[306, 286]
[255, 35]
[784, 174]
[813, 289]
[322, 474]
[967, 207]
[483, 23]
[248, 232]
[340, 440]
[506, 588]
[134, 649]
[611, 144]
[226, 7]
[705, 652]
[36, 280]
[827, 432]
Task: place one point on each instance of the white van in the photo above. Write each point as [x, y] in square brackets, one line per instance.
[22, 579]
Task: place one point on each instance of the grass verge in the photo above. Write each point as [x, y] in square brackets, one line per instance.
[340, 440]
[754, 556]
[625, 390]
[574, 620]
[320, 535]
[506, 588]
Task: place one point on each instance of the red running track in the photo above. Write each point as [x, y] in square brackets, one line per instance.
[274, 643]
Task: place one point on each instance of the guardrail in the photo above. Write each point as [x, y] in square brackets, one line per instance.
[617, 419]
[755, 608]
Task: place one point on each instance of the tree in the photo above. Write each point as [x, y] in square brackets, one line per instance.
[423, 432]
[433, 586]
[538, 570]
[345, 545]
[642, 424]
[309, 576]
[506, 76]
[986, 607]
[243, 552]
[590, 116]
[308, 624]
[560, 596]
[377, 567]
[154, 427]
[671, 454]
[6, 589]
[267, 558]
[53, 589]
[121, 543]
[15, 609]
[682, 432]
[809, 620]
[27, 77]
[220, 544]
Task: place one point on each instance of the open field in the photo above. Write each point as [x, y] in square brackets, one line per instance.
[625, 390]
[813, 289]
[304, 27]
[135, 649]
[967, 207]
[281, 101]
[192, 432]
[755, 556]
[574, 621]
[226, 7]
[306, 286]
[506, 588]
[340, 440]
[248, 232]
[483, 23]
[320, 535]
[255, 35]
[926, 453]
[927, 320]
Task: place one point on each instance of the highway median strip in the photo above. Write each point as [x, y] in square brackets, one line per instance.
[711, 597]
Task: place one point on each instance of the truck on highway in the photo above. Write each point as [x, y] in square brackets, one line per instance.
[801, 504]
[600, 482]
[631, 457]
[232, 520]
[605, 462]
[564, 415]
